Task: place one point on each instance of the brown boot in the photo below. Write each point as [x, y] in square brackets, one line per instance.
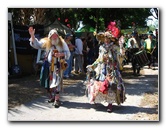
[51, 100]
[109, 109]
[56, 104]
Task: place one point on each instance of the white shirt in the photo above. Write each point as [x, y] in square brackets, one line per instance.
[79, 46]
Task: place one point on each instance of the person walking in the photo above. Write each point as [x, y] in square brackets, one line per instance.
[90, 44]
[78, 64]
[107, 84]
[85, 53]
[149, 46]
[57, 52]
[133, 47]
[67, 72]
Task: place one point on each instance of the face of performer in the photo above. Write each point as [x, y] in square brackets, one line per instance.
[107, 40]
[54, 39]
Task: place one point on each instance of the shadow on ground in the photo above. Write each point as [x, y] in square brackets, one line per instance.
[25, 89]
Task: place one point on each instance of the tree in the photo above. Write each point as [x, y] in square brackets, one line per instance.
[97, 18]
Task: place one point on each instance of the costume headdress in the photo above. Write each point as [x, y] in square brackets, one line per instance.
[108, 34]
[100, 37]
[52, 32]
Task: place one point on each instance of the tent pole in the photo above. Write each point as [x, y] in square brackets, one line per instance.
[14, 47]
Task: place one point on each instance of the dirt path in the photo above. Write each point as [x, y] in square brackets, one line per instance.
[76, 108]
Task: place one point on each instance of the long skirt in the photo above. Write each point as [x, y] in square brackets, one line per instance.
[114, 94]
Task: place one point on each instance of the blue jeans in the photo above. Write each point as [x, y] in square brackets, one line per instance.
[70, 64]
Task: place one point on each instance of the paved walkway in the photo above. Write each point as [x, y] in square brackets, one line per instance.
[76, 108]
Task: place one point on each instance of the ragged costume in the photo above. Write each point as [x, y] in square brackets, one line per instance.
[104, 81]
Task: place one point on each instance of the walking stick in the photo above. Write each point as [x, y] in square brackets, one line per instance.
[61, 74]
[152, 51]
[61, 71]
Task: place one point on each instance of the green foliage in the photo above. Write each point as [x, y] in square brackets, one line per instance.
[139, 30]
[87, 28]
[97, 18]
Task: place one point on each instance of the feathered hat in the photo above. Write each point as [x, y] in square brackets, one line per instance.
[100, 37]
[110, 36]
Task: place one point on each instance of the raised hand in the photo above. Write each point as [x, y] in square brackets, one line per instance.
[32, 33]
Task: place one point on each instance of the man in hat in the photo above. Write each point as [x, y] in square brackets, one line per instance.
[133, 47]
[149, 46]
[56, 51]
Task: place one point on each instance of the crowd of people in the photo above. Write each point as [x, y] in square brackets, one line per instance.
[100, 53]
[147, 47]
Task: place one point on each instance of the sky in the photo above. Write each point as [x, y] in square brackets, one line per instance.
[75, 4]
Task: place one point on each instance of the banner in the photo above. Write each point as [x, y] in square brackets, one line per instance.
[22, 37]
